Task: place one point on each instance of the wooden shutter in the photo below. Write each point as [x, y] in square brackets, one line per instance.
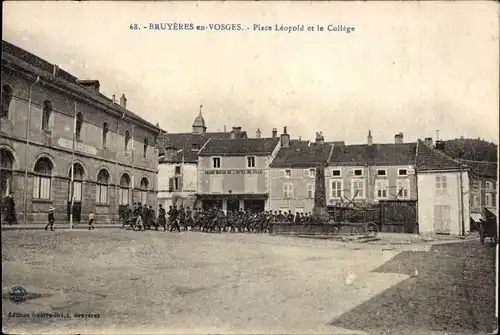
[170, 184]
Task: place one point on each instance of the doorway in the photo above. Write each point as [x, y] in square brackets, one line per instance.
[233, 205]
[255, 206]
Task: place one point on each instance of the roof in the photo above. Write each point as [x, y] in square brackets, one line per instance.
[188, 142]
[18, 57]
[482, 169]
[430, 159]
[375, 154]
[299, 156]
[240, 146]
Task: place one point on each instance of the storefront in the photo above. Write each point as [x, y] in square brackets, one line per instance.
[234, 202]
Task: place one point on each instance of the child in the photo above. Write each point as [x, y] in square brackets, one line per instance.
[91, 221]
[50, 218]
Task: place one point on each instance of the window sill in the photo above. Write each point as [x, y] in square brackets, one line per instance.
[42, 201]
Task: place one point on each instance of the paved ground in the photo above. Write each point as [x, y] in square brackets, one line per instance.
[155, 282]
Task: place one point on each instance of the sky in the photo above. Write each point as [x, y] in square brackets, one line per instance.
[410, 67]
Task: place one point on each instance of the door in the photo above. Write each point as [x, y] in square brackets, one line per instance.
[442, 220]
[75, 190]
[233, 205]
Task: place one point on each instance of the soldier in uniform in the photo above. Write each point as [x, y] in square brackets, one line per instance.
[162, 219]
[174, 220]
[189, 218]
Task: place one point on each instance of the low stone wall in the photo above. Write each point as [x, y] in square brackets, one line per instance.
[315, 229]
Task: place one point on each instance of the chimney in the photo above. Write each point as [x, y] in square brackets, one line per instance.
[257, 134]
[275, 133]
[123, 101]
[440, 145]
[285, 139]
[225, 128]
[55, 69]
[114, 99]
[370, 138]
[319, 138]
[92, 85]
[428, 141]
[398, 138]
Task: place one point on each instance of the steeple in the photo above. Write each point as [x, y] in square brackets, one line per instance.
[199, 126]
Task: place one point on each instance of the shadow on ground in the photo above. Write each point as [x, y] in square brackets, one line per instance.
[454, 291]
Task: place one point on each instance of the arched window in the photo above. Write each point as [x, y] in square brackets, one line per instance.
[77, 183]
[78, 126]
[6, 162]
[102, 187]
[7, 93]
[124, 189]
[127, 139]
[42, 178]
[144, 190]
[47, 111]
[146, 143]
[105, 130]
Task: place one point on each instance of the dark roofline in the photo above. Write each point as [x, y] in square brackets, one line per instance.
[63, 84]
[459, 167]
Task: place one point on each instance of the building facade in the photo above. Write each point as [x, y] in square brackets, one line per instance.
[234, 174]
[483, 186]
[370, 173]
[443, 192]
[293, 175]
[52, 121]
[178, 162]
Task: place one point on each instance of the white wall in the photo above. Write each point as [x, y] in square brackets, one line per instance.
[189, 181]
[429, 197]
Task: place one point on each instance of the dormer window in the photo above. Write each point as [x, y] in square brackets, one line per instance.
[216, 162]
[250, 162]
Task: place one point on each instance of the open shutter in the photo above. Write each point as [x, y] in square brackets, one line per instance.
[180, 180]
[170, 184]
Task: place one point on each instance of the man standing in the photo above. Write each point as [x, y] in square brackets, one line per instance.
[50, 218]
[10, 209]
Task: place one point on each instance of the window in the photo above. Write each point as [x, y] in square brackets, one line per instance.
[441, 183]
[403, 188]
[442, 222]
[288, 173]
[174, 184]
[489, 200]
[105, 130]
[146, 143]
[76, 191]
[381, 189]
[78, 126]
[402, 172]
[195, 147]
[127, 140]
[312, 173]
[124, 189]
[47, 111]
[102, 187]
[489, 185]
[177, 169]
[476, 201]
[288, 191]
[358, 172]
[381, 172]
[216, 162]
[358, 188]
[310, 191]
[42, 179]
[250, 162]
[7, 93]
[144, 191]
[336, 189]
[6, 160]
[336, 173]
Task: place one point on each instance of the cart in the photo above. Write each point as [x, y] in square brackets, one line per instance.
[488, 227]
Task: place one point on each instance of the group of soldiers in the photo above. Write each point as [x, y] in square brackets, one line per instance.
[178, 218]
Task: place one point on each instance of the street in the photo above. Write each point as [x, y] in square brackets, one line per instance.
[191, 282]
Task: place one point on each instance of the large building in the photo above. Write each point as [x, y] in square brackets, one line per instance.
[234, 173]
[178, 164]
[52, 121]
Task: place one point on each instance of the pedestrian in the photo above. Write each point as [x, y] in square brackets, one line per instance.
[50, 218]
[91, 221]
[10, 209]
